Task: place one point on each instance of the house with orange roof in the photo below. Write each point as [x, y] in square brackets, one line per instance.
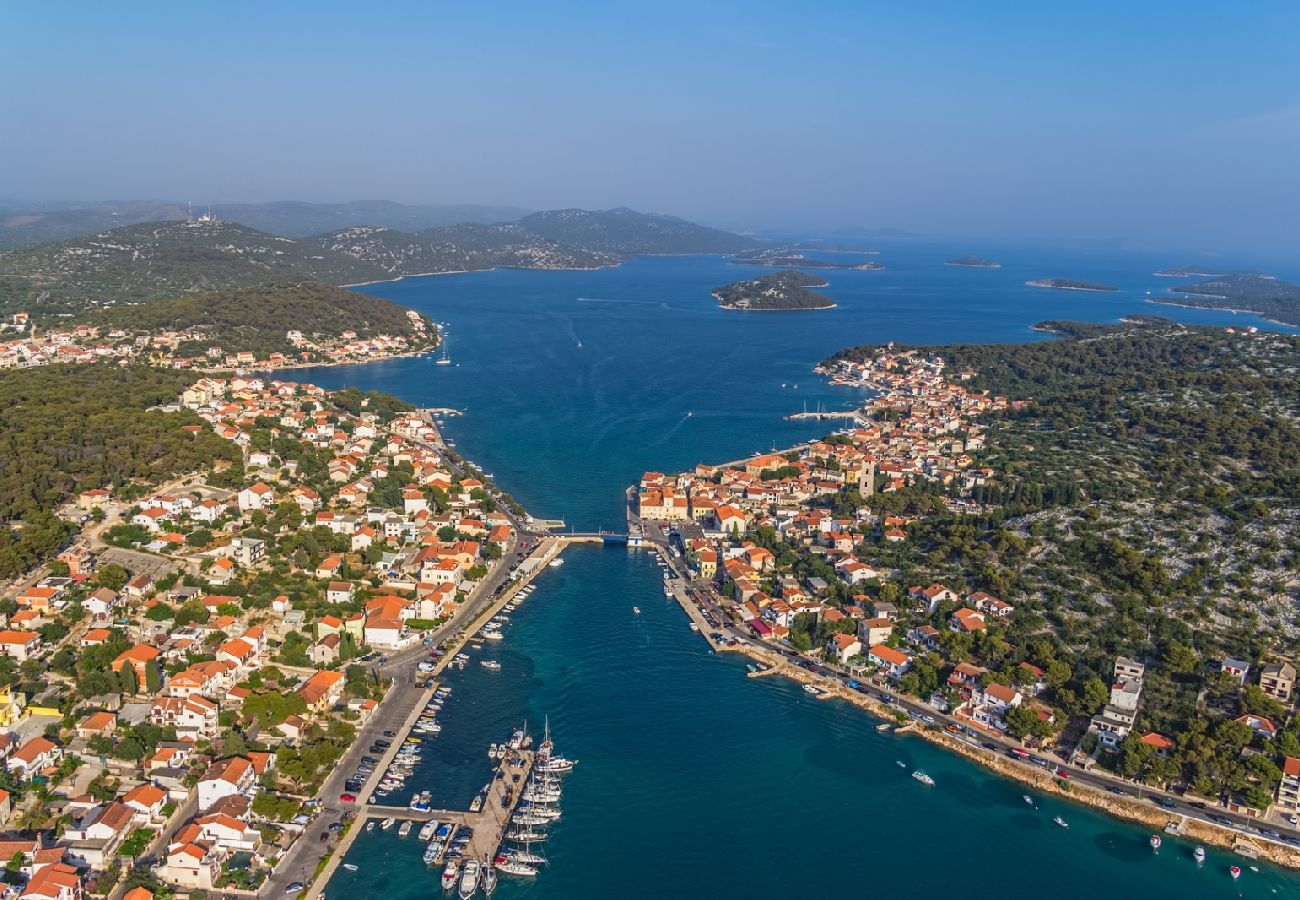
[100, 723]
[19, 645]
[322, 690]
[966, 621]
[192, 865]
[94, 637]
[93, 841]
[194, 717]
[147, 801]
[58, 881]
[138, 657]
[893, 663]
[844, 647]
[224, 778]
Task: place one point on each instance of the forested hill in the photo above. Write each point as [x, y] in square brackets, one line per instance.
[256, 319]
[65, 429]
[625, 232]
[165, 259]
[1144, 500]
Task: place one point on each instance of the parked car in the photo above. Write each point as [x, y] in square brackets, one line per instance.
[348, 798]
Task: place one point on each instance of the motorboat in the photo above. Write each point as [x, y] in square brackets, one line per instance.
[387, 823]
[491, 665]
[1059, 821]
[404, 829]
[810, 689]
[1029, 799]
[449, 875]
[556, 563]
[468, 879]
[370, 826]
[1235, 872]
[920, 776]
[351, 867]
[494, 636]
[637, 610]
[1199, 855]
[492, 751]
[431, 852]
[1155, 842]
[427, 830]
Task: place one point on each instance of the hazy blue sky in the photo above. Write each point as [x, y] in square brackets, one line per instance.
[1177, 123]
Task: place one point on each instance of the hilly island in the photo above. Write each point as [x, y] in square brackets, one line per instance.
[780, 291]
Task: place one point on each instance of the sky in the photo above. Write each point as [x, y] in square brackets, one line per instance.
[1160, 123]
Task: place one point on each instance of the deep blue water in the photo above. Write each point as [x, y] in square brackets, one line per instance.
[695, 781]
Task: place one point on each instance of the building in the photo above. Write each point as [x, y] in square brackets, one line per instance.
[1288, 789]
[225, 778]
[19, 645]
[1278, 680]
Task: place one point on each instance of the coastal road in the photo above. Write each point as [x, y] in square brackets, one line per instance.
[1172, 804]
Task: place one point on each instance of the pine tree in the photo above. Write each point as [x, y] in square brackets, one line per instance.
[127, 680]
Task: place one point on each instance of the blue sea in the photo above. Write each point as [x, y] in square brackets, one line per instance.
[694, 781]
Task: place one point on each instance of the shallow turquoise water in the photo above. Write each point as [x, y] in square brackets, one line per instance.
[695, 781]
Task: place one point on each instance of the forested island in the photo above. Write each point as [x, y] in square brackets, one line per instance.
[1069, 284]
[780, 291]
[973, 262]
[1192, 271]
[1271, 298]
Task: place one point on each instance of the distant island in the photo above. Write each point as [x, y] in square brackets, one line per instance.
[780, 291]
[1188, 272]
[1070, 284]
[832, 248]
[973, 262]
[1262, 294]
[790, 257]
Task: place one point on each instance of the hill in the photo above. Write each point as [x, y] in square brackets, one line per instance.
[780, 291]
[22, 225]
[164, 259]
[159, 260]
[65, 429]
[1277, 300]
[624, 232]
[256, 319]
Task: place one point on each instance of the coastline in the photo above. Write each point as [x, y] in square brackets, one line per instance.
[613, 265]
[1234, 310]
[1126, 807]
[267, 367]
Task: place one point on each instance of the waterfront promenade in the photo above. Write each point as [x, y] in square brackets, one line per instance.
[398, 712]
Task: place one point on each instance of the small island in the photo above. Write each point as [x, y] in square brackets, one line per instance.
[1069, 284]
[1188, 272]
[790, 257]
[973, 262]
[778, 292]
[1261, 294]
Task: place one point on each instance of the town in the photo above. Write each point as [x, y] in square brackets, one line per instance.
[23, 345]
[186, 675]
[794, 558]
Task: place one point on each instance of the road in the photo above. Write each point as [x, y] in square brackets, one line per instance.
[394, 711]
[1173, 804]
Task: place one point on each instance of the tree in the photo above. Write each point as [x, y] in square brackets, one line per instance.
[152, 677]
[1180, 659]
[112, 576]
[1095, 695]
[136, 843]
[128, 682]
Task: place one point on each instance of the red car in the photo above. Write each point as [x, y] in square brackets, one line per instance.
[348, 798]
[1061, 773]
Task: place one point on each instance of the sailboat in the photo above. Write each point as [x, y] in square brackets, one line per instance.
[443, 360]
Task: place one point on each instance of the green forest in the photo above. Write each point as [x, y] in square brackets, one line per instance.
[65, 429]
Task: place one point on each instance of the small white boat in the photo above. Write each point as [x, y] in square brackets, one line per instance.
[1029, 799]
[370, 826]
[900, 764]
[809, 689]
[387, 823]
[427, 830]
[492, 751]
[511, 867]
[1059, 821]
[694, 627]
[920, 776]
[556, 563]
[351, 867]
[1199, 855]
[637, 610]
[404, 829]
[494, 636]
[1155, 842]
[449, 875]
[490, 664]
[1235, 872]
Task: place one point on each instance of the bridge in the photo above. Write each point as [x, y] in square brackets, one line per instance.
[593, 537]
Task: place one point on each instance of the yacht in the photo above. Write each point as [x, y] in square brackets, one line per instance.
[492, 751]
[491, 665]
[1235, 872]
[920, 776]
[449, 875]
[404, 829]
[556, 563]
[427, 830]
[1059, 821]
[511, 867]
[527, 835]
[387, 823]
[431, 852]
[468, 879]
[443, 360]
[810, 689]
[494, 636]
[557, 765]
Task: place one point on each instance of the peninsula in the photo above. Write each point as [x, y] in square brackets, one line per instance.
[780, 291]
[973, 262]
[1262, 294]
[1070, 284]
[1192, 271]
[1046, 584]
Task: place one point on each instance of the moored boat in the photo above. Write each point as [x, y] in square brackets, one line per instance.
[351, 867]
[449, 875]
[387, 823]
[511, 867]
[1235, 872]
[468, 879]
[489, 880]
